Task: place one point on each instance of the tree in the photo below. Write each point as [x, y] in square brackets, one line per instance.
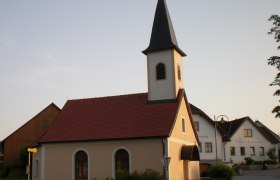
[275, 60]
[272, 154]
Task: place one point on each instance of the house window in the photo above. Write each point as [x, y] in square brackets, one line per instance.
[252, 151]
[248, 133]
[179, 72]
[232, 151]
[261, 151]
[200, 147]
[183, 125]
[160, 71]
[121, 161]
[196, 125]
[242, 151]
[208, 147]
[81, 165]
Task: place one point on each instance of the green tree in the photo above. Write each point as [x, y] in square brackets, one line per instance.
[272, 154]
[275, 60]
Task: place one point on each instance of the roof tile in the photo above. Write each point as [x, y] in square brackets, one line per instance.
[115, 117]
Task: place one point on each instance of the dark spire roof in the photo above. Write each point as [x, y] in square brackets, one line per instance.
[163, 35]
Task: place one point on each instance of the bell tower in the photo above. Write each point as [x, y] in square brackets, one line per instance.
[164, 58]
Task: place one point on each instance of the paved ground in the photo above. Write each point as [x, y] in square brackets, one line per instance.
[273, 174]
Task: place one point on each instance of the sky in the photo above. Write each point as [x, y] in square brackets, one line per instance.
[57, 50]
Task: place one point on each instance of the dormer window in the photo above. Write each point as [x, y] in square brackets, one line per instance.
[160, 71]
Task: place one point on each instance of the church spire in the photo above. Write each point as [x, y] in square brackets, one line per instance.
[163, 35]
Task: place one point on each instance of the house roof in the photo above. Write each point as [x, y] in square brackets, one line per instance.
[51, 105]
[196, 110]
[163, 35]
[115, 117]
[270, 135]
[232, 126]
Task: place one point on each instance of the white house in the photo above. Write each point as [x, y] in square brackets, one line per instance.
[247, 139]
[210, 136]
[273, 138]
[232, 141]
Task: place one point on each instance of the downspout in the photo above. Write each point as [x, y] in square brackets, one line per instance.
[164, 158]
[224, 152]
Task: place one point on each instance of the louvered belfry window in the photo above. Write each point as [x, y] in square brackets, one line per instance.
[160, 71]
[81, 165]
[179, 72]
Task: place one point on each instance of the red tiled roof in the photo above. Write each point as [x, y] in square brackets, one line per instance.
[116, 117]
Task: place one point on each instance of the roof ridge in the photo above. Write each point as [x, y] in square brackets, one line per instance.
[110, 97]
[30, 120]
[239, 119]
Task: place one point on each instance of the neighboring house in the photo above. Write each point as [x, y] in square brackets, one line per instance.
[233, 140]
[273, 138]
[96, 137]
[211, 137]
[27, 134]
[247, 139]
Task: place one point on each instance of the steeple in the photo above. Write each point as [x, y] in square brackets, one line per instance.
[164, 58]
[163, 35]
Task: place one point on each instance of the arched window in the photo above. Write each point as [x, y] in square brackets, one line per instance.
[81, 165]
[179, 72]
[121, 160]
[160, 70]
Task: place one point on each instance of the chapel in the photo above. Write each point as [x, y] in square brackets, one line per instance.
[95, 138]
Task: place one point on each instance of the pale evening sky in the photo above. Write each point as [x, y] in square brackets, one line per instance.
[55, 50]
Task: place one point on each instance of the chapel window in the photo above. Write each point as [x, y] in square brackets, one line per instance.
[183, 125]
[122, 161]
[160, 71]
[81, 165]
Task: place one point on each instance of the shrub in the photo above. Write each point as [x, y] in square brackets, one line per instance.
[148, 174]
[220, 171]
[272, 154]
[249, 160]
[268, 161]
[122, 174]
[4, 171]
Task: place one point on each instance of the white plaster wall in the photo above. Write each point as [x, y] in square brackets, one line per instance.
[56, 161]
[238, 140]
[206, 133]
[165, 88]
